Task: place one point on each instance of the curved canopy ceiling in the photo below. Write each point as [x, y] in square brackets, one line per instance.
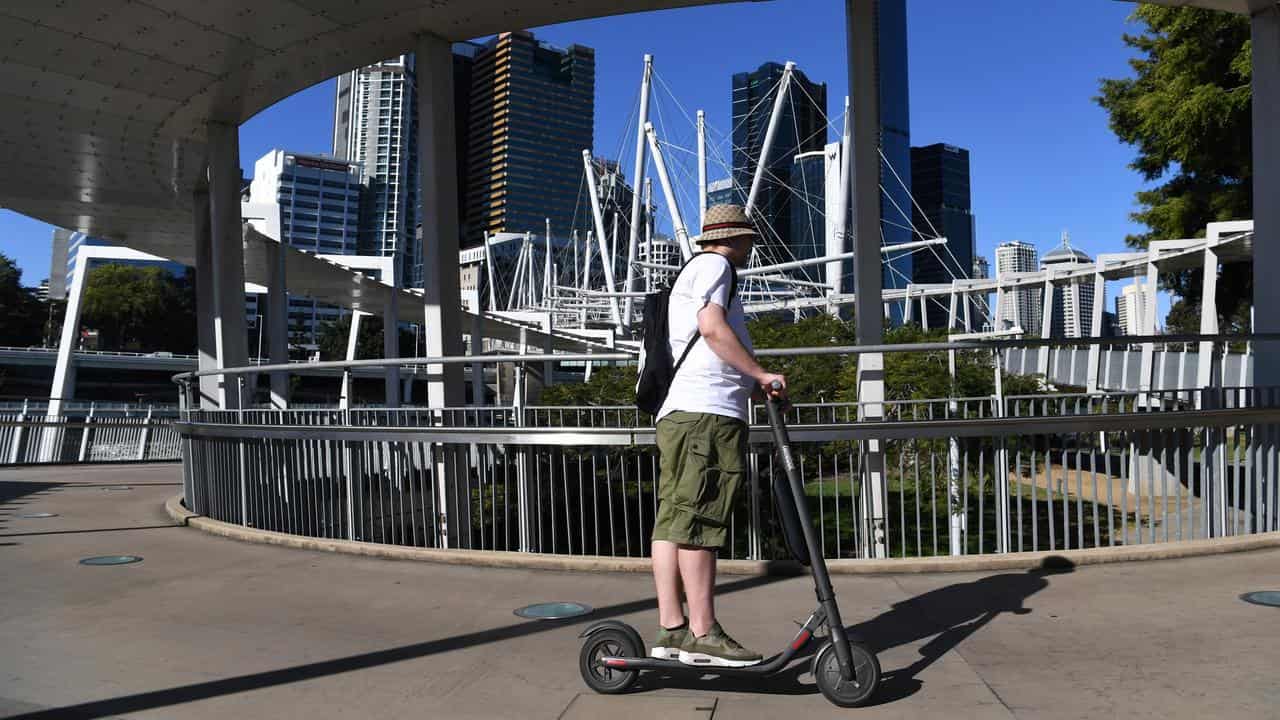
[105, 103]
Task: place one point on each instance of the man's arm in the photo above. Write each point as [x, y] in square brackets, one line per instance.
[714, 327]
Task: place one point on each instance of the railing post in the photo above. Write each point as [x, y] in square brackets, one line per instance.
[15, 452]
[348, 472]
[1001, 466]
[84, 436]
[244, 465]
[146, 435]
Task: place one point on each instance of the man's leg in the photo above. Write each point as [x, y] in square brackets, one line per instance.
[698, 570]
[666, 577]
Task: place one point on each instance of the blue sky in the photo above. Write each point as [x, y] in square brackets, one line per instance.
[1013, 81]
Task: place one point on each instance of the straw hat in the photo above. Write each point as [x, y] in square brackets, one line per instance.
[724, 222]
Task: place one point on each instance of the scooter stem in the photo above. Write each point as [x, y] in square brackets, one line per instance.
[817, 563]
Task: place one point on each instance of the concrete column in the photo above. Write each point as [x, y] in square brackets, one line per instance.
[1266, 185]
[1095, 323]
[477, 369]
[227, 255]
[1208, 320]
[207, 351]
[64, 373]
[277, 326]
[353, 339]
[437, 166]
[391, 336]
[1148, 326]
[1046, 324]
[1266, 188]
[862, 38]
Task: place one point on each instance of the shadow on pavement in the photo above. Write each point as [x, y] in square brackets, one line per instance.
[948, 615]
[11, 490]
[91, 530]
[244, 683]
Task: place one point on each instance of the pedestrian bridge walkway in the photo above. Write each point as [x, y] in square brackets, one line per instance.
[210, 628]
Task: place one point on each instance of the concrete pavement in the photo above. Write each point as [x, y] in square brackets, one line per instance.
[211, 628]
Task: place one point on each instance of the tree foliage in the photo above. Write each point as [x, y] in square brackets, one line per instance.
[830, 378]
[333, 336]
[22, 315]
[140, 308]
[1188, 112]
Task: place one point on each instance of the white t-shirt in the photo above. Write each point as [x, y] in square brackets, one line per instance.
[705, 383]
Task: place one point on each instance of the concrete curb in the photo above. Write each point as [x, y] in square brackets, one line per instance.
[594, 563]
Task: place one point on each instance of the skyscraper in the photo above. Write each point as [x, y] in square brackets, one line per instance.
[319, 200]
[1132, 305]
[1021, 306]
[531, 114]
[801, 128]
[808, 210]
[895, 143]
[1072, 302]
[940, 183]
[375, 124]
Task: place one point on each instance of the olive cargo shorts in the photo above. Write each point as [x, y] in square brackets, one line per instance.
[703, 461]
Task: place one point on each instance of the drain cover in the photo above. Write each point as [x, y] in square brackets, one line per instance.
[111, 560]
[553, 610]
[33, 516]
[1270, 598]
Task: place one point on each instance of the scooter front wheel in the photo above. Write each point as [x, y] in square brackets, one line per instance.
[847, 693]
[601, 677]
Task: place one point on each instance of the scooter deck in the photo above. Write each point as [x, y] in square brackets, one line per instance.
[765, 667]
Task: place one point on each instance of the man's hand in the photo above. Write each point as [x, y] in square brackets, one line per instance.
[766, 381]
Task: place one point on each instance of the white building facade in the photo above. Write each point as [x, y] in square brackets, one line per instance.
[1073, 301]
[1132, 305]
[1020, 307]
[320, 213]
[375, 124]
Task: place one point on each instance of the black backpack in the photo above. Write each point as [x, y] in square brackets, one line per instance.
[657, 366]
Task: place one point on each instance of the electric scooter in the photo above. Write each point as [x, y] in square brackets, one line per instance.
[846, 671]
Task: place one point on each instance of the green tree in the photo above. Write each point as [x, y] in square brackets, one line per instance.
[140, 308]
[1187, 111]
[22, 315]
[333, 339]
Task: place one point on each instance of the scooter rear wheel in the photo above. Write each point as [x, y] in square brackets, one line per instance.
[847, 693]
[597, 675]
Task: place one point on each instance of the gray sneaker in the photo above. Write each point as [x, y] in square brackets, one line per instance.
[716, 649]
[668, 643]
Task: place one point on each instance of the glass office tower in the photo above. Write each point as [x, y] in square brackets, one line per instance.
[940, 183]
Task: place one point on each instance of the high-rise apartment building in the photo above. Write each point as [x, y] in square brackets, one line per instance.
[320, 212]
[1132, 307]
[1073, 301]
[801, 129]
[375, 124]
[940, 183]
[1021, 306]
[531, 112]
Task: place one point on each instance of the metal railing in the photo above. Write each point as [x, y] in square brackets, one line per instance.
[949, 486]
[30, 436]
[933, 477]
